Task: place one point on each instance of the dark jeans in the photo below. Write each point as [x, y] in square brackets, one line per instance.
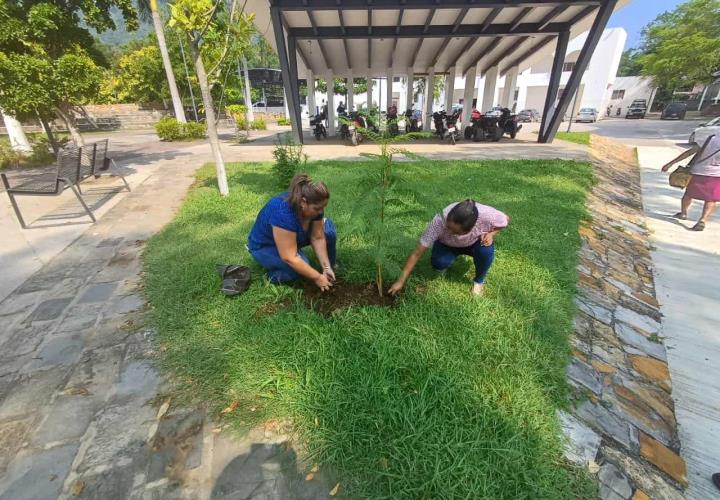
[278, 270]
[443, 257]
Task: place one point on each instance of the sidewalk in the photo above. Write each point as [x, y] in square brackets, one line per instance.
[688, 288]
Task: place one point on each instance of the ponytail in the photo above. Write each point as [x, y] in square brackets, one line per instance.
[303, 187]
[465, 214]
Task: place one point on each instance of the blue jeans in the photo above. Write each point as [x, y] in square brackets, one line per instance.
[278, 270]
[443, 257]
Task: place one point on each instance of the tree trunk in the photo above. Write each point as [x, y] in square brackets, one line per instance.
[51, 137]
[16, 134]
[210, 119]
[67, 117]
[160, 33]
[248, 98]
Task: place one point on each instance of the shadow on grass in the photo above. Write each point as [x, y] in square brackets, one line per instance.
[442, 396]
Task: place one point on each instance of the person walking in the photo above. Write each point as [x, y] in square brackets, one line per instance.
[289, 222]
[704, 181]
[463, 228]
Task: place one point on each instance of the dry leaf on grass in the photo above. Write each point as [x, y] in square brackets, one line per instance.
[593, 467]
[163, 409]
[76, 391]
[315, 468]
[77, 488]
[233, 406]
[310, 477]
[335, 490]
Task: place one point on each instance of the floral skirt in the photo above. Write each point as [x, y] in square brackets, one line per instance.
[703, 187]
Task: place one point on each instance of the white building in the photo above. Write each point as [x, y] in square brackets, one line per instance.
[626, 89]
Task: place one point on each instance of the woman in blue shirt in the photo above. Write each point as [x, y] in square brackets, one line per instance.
[290, 221]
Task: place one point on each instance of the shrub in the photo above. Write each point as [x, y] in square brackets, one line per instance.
[39, 156]
[283, 121]
[238, 112]
[258, 124]
[8, 156]
[289, 160]
[169, 129]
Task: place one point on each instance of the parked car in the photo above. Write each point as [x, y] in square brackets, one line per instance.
[674, 110]
[704, 131]
[639, 103]
[528, 115]
[587, 115]
[635, 111]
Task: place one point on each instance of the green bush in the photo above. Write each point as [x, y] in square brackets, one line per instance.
[283, 121]
[39, 156]
[169, 129]
[8, 156]
[258, 124]
[239, 114]
[289, 160]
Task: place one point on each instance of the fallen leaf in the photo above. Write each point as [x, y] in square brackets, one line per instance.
[317, 422]
[593, 467]
[252, 409]
[163, 348]
[217, 430]
[335, 490]
[77, 488]
[53, 477]
[233, 406]
[76, 391]
[315, 468]
[310, 477]
[163, 409]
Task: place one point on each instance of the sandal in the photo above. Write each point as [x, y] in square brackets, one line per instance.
[680, 216]
[716, 479]
[700, 226]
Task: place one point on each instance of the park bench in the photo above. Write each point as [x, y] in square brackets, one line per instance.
[74, 164]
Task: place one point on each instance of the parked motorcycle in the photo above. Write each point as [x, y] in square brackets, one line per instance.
[357, 123]
[508, 123]
[452, 125]
[318, 124]
[413, 123]
[482, 127]
[439, 122]
[391, 118]
[343, 118]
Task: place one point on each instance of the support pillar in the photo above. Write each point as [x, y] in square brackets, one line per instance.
[289, 71]
[573, 84]
[468, 94]
[369, 92]
[427, 101]
[491, 76]
[294, 103]
[330, 78]
[388, 97]
[311, 93]
[410, 84]
[350, 104]
[554, 84]
[449, 89]
[508, 95]
[16, 134]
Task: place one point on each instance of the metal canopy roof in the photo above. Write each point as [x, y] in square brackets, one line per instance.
[377, 37]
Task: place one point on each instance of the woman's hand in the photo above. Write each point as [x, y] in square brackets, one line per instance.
[486, 239]
[322, 282]
[328, 271]
[667, 166]
[396, 287]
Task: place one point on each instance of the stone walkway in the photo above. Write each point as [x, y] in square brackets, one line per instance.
[623, 425]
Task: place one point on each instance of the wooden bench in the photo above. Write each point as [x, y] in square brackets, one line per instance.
[74, 164]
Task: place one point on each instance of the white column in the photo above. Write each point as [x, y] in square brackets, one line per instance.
[509, 89]
[427, 101]
[248, 98]
[311, 93]
[489, 90]
[468, 94]
[16, 134]
[285, 105]
[369, 91]
[388, 98]
[330, 78]
[410, 90]
[449, 88]
[350, 93]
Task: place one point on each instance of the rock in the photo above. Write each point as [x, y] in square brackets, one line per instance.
[609, 424]
[583, 442]
[49, 309]
[639, 321]
[631, 336]
[594, 310]
[640, 495]
[584, 375]
[663, 458]
[38, 474]
[613, 483]
[652, 369]
[643, 475]
[97, 293]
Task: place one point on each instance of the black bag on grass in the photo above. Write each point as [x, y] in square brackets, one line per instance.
[235, 279]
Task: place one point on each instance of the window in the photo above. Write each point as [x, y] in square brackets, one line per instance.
[618, 94]
[396, 78]
[568, 66]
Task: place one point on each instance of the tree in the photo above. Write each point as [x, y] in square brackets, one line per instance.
[152, 7]
[630, 64]
[49, 62]
[682, 47]
[140, 77]
[438, 85]
[201, 20]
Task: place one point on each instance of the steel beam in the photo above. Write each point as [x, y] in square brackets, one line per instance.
[288, 75]
[573, 84]
[493, 45]
[530, 52]
[554, 85]
[294, 81]
[456, 25]
[424, 4]
[345, 43]
[315, 31]
[506, 53]
[426, 31]
[552, 15]
[422, 32]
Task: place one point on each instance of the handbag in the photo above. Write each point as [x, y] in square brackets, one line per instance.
[235, 279]
[680, 178]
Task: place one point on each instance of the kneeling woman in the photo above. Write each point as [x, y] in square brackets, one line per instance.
[290, 221]
[464, 228]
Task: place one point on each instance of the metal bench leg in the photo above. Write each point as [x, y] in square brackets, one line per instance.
[122, 177]
[82, 202]
[13, 202]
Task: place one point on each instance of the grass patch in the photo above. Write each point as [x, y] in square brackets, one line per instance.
[576, 137]
[441, 396]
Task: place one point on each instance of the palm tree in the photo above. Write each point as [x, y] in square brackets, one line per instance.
[149, 9]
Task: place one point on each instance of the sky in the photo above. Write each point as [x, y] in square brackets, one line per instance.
[637, 14]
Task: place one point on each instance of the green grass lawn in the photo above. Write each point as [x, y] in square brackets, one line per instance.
[442, 396]
[576, 137]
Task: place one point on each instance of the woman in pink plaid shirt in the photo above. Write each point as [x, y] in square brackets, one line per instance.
[463, 228]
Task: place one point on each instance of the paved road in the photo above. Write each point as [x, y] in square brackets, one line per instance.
[647, 132]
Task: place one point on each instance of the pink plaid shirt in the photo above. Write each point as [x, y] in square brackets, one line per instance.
[488, 220]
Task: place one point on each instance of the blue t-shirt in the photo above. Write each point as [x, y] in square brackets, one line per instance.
[279, 213]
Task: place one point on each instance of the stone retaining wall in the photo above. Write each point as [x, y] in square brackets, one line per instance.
[623, 424]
